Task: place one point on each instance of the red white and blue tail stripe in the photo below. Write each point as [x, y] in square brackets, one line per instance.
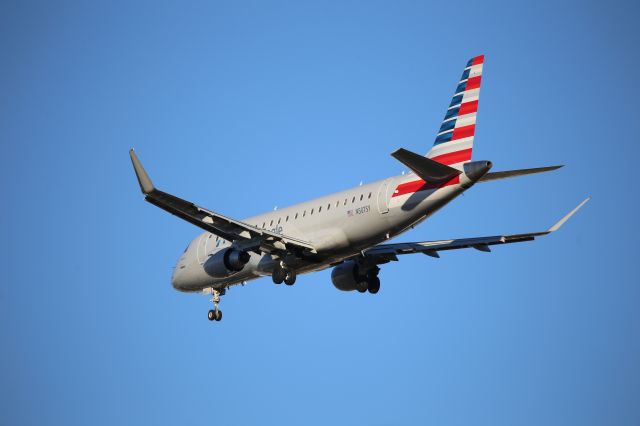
[454, 142]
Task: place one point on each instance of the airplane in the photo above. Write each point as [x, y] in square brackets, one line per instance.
[347, 231]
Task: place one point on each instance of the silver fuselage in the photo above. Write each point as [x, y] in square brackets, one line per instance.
[339, 225]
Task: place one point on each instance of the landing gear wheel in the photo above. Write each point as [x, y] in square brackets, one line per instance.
[362, 286]
[218, 315]
[278, 275]
[374, 285]
[290, 278]
[212, 315]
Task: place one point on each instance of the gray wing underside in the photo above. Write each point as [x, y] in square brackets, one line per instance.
[246, 236]
[387, 252]
[243, 235]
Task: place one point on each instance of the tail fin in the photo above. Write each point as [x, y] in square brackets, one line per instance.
[454, 142]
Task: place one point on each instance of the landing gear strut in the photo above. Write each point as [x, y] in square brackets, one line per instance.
[215, 314]
[282, 274]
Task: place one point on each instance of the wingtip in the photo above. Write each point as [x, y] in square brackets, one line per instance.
[146, 186]
[566, 217]
[397, 151]
[553, 168]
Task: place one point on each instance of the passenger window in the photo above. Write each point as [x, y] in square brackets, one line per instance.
[279, 221]
[328, 206]
[271, 224]
[304, 213]
[263, 223]
[337, 204]
[345, 201]
[319, 209]
[353, 200]
[369, 195]
[311, 211]
[296, 216]
[287, 219]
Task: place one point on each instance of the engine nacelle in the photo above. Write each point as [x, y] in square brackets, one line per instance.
[226, 262]
[345, 276]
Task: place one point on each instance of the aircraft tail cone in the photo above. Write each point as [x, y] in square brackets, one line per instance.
[476, 169]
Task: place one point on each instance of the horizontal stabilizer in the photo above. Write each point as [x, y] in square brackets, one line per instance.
[514, 173]
[429, 170]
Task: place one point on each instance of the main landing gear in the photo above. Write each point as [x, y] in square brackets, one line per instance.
[369, 281]
[215, 314]
[282, 274]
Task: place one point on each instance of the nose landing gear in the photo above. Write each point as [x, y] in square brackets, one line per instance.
[215, 314]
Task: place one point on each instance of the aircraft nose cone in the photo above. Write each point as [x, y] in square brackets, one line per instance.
[188, 277]
[177, 279]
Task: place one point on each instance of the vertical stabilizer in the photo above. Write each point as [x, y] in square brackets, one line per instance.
[454, 142]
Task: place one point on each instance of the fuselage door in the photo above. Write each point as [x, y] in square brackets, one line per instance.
[383, 197]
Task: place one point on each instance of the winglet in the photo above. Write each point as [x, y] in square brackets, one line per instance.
[561, 222]
[143, 178]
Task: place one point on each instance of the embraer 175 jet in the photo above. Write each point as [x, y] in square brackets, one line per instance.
[346, 230]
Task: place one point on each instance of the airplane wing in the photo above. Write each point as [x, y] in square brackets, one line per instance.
[244, 236]
[384, 253]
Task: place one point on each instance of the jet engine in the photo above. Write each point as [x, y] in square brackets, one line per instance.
[350, 276]
[226, 262]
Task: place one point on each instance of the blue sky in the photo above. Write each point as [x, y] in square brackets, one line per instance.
[240, 106]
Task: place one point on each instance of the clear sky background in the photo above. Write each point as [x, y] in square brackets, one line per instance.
[241, 106]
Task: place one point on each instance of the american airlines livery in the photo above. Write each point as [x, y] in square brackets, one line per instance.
[348, 230]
